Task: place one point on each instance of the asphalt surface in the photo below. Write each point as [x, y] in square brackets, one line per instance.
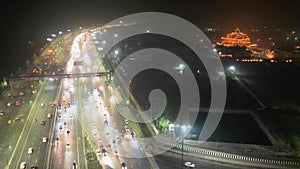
[96, 108]
[34, 131]
[27, 131]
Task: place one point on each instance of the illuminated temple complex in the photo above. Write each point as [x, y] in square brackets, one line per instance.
[236, 38]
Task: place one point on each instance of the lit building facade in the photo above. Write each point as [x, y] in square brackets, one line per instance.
[238, 45]
[236, 38]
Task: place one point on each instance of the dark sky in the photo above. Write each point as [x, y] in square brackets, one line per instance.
[23, 21]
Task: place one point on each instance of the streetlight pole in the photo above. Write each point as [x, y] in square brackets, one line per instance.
[183, 129]
[182, 152]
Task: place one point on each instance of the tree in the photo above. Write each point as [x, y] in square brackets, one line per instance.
[279, 146]
[164, 124]
[295, 144]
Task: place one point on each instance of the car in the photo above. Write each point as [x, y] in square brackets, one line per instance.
[17, 117]
[123, 165]
[74, 165]
[21, 93]
[8, 104]
[59, 107]
[126, 121]
[106, 122]
[104, 152]
[49, 115]
[126, 128]
[9, 122]
[116, 153]
[42, 122]
[68, 146]
[23, 165]
[118, 139]
[52, 104]
[30, 150]
[189, 164]
[42, 104]
[18, 103]
[71, 117]
[34, 166]
[2, 113]
[57, 139]
[45, 139]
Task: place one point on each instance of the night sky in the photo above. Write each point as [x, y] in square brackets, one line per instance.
[23, 21]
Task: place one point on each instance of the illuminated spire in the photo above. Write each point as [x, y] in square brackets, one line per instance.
[237, 30]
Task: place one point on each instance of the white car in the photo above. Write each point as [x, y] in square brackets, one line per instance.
[45, 139]
[30, 150]
[126, 128]
[23, 165]
[49, 115]
[104, 152]
[42, 104]
[8, 104]
[74, 165]
[189, 164]
[68, 146]
[123, 165]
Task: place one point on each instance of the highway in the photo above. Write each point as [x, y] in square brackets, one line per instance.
[88, 110]
[34, 131]
[63, 156]
[96, 107]
[27, 131]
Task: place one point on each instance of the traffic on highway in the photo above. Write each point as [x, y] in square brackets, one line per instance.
[64, 111]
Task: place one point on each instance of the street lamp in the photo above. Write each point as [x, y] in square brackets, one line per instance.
[232, 69]
[182, 131]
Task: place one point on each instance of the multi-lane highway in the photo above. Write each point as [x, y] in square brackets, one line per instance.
[29, 117]
[36, 127]
[84, 108]
[98, 115]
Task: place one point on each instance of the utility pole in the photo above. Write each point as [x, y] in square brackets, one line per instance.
[182, 152]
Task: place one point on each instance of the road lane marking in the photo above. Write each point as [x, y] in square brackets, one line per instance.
[30, 114]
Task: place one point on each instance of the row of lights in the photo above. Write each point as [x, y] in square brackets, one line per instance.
[250, 60]
[261, 60]
[59, 33]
